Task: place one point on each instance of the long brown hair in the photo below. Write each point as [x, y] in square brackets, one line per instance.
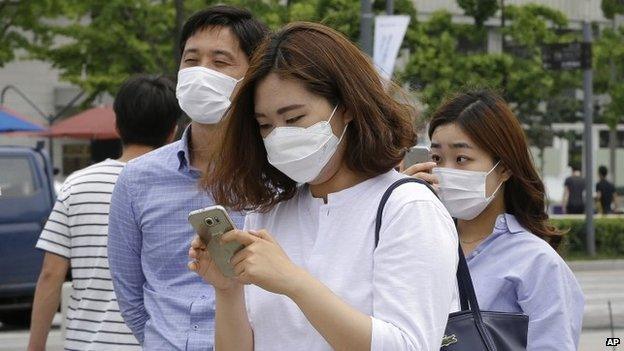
[489, 121]
[328, 65]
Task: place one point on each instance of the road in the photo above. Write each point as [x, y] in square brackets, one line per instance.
[600, 284]
[17, 340]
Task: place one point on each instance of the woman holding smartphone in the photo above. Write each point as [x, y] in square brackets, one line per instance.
[485, 177]
[310, 146]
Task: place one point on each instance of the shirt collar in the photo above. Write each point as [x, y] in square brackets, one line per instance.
[507, 223]
[183, 150]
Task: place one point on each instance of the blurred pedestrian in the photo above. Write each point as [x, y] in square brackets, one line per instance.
[486, 179]
[321, 138]
[76, 233]
[605, 192]
[166, 306]
[574, 192]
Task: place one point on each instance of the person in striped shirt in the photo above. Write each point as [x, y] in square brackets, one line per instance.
[76, 233]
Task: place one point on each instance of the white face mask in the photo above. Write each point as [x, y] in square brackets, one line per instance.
[302, 153]
[463, 193]
[204, 94]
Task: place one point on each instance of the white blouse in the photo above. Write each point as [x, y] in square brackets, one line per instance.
[407, 284]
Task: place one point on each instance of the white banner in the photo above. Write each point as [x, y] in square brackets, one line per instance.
[389, 33]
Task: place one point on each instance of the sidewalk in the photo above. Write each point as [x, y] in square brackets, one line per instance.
[602, 282]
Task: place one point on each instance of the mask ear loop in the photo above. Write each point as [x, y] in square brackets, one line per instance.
[332, 114]
[499, 185]
[493, 168]
[345, 128]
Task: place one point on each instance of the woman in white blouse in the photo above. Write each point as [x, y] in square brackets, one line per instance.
[310, 145]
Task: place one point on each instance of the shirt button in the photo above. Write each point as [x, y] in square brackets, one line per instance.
[203, 297]
[195, 327]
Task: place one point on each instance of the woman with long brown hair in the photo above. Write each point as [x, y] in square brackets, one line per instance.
[310, 146]
[485, 177]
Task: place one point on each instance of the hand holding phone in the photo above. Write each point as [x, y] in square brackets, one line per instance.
[415, 155]
[417, 163]
[210, 224]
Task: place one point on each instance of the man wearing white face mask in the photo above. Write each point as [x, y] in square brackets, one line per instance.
[166, 306]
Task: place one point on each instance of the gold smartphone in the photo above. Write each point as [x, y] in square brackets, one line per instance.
[211, 223]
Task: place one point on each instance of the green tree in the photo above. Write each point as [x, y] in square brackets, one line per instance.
[438, 66]
[537, 94]
[343, 15]
[608, 79]
[610, 8]
[102, 42]
[480, 10]
[20, 22]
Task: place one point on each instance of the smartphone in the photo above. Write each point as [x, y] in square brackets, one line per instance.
[417, 154]
[211, 223]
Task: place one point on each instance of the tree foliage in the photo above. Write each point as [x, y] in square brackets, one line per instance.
[99, 43]
[610, 8]
[20, 23]
[96, 44]
[442, 61]
[480, 10]
[609, 73]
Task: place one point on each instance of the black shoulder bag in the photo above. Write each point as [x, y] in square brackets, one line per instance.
[471, 329]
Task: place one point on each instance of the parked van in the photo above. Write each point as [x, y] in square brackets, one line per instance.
[27, 196]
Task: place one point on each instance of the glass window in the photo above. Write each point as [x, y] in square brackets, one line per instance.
[604, 136]
[16, 177]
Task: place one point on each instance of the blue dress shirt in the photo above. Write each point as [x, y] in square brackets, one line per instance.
[513, 270]
[166, 306]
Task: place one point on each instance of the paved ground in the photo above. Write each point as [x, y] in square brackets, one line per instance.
[602, 281]
[591, 340]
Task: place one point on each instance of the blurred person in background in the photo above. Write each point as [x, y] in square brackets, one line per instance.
[574, 192]
[605, 192]
[75, 235]
[485, 177]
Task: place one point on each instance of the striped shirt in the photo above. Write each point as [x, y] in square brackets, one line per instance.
[78, 230]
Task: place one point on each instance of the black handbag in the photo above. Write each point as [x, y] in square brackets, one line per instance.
[471, 329]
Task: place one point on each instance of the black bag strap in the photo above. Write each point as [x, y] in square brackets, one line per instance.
[463, 292]
[387, 194]
[467, 295]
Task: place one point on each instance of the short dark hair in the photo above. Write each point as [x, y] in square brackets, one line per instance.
[146, 110]
[603, 171]
[575, 167]
[245, 27]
